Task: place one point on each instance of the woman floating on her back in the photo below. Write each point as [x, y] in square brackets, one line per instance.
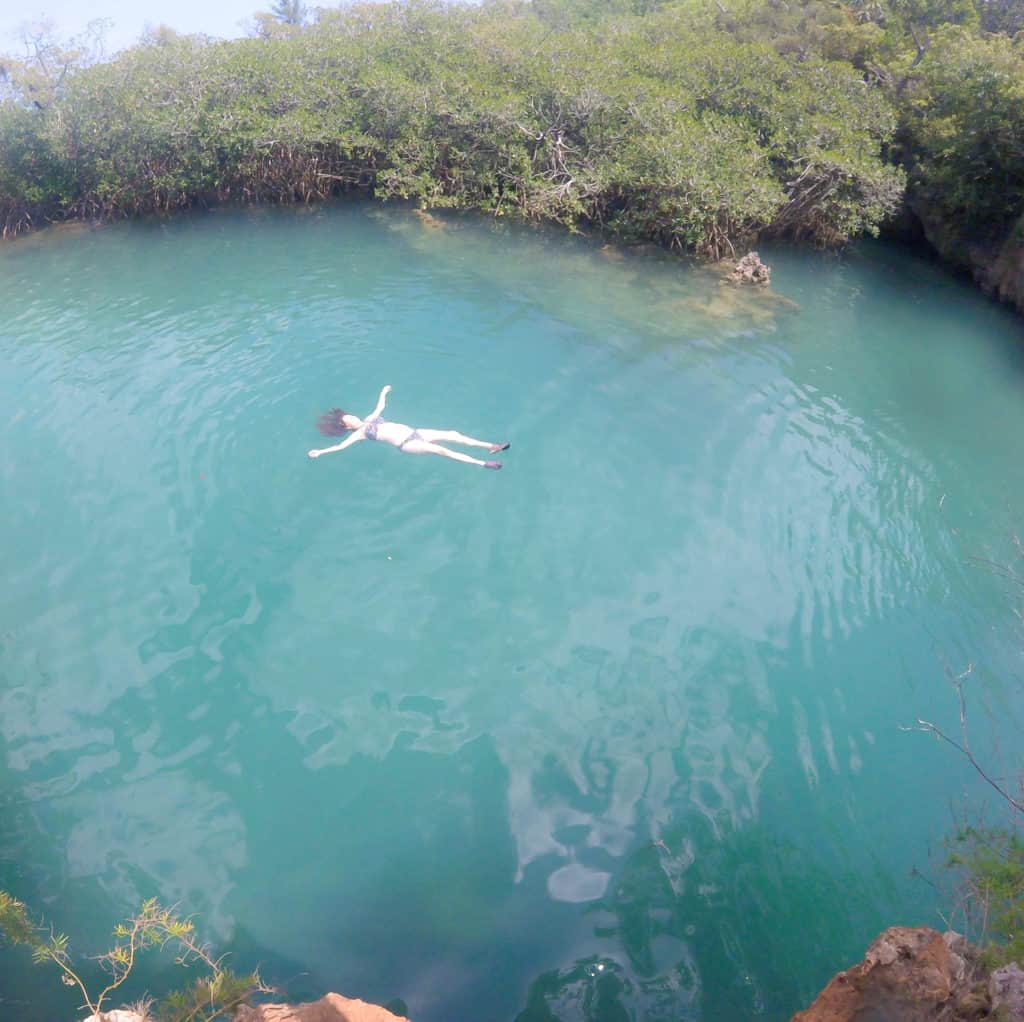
[413, 441]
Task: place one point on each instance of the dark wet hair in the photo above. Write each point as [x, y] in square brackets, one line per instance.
[332, 423]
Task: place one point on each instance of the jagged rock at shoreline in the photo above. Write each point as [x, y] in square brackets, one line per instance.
[1000, 270]
[907, 975]
[997, 265]
[332, 1008]
[750, 270]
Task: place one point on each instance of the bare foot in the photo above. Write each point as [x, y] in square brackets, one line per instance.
[492, 464]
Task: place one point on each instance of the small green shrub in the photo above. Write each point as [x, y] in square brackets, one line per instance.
[213, 995]
[990, 862]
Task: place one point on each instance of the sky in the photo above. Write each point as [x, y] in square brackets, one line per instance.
[130, 17]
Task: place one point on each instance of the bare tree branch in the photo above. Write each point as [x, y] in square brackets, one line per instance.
[963, 746]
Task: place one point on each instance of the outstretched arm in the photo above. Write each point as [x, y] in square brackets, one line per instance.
[381, 401]
[347, 442]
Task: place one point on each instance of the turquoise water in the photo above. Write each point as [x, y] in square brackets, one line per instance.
[611, 734]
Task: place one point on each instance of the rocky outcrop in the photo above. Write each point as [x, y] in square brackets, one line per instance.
[907, 975]
[1002, 273]
[332, 1008]
[750, 270]
[1006, 990]
[997, 264]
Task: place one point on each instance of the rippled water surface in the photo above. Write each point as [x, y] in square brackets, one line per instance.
[611, 734]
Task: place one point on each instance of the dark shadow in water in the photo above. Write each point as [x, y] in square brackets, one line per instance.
[688, 929]
[680, 941]
[592, 989]
[30, 870]
[426, 905]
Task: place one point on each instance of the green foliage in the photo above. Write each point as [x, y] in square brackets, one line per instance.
[562, 14]
[1005, 16]
[952, 75]
[15, 924]
[965, 129]
[208, 998]
[214, 995]
[991, 863]
[290, 12]
[850, 32]
[662, 126]
[698, 126]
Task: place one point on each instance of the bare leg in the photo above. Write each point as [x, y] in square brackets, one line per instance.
[426, 447]
[452, 436]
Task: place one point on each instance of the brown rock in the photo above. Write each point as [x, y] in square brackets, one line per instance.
[997, 264]
[1002, 272]
[908, 975]
[750, 270]
[332, 1008]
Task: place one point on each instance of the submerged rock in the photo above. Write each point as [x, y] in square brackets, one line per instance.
[332, 1008]
[750, 270]
[907, 975]
[428, 219]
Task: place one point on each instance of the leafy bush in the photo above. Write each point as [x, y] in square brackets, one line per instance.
[991, 863]
[965, 129]
[660, 126]
[214, 995]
